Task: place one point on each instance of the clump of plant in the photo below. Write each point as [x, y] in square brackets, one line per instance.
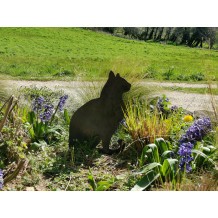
[161, 162]
[157, 165]
[42, 118]
[150, 73]
[102, 185]
[163, 104]
[189, 144]
[145, 122]
[183, 77]
[168, 74]
[197, 76]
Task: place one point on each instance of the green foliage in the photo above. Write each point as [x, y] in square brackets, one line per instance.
[167, 75]
[146, 181]
[204, 153]
[159, 168]
[66, 117]
[12, 133]
[156, 164]
[102, 185]
[197, 76]
[39, 129]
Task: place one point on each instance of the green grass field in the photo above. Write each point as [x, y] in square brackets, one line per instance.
[72, 53]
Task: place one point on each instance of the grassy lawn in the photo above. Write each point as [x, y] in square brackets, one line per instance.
[72, 53]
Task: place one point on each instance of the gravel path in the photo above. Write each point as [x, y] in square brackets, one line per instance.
[189, 101]
[172, 84]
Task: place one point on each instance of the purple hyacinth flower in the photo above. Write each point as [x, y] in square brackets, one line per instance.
[174, 108]
[62, 102]
[1, 179]
[38, 103]
[47, 113]
[185, 149]
[195, 133]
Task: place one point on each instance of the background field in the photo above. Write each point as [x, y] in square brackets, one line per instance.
[63, 53]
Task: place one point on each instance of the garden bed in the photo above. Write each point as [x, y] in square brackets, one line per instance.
[166, 146]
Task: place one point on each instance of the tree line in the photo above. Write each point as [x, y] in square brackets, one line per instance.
[190, 36]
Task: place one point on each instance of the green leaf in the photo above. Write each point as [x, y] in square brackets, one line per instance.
[212, 149]
[201, 154]
[32, 133]
[161, 144]
[148, 168]
[104, 185]
[169, 167]
[206, 150]
[146, 181]
[91, 181]
[51, 130]
[155, 153]
[38, 145]
[31, 117]
[166, 154]
[66, 116]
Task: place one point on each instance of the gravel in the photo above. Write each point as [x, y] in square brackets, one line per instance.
[189, 101]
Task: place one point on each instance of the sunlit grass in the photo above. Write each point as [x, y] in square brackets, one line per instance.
[70, 53]
[142, 123]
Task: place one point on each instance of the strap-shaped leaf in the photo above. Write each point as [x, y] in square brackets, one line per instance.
[166, 154]
[169, 165]
[161, 144]
[154, 153]
[146, 181]
[148, 168]
[204, 156]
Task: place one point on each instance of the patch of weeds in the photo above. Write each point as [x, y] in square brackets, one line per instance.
[65, 73]
[102, 185]
[183, 77]
[84, 154]
[197, 76]
[150, 73]
[168, 74]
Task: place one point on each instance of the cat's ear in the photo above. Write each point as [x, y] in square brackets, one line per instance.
[111, 75]
[118, 75]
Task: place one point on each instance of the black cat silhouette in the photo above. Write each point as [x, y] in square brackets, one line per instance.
[99, 118]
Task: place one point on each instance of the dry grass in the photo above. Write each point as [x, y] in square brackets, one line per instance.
[204, 181]
[142, 123]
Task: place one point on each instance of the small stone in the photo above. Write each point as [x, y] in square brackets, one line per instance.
[30, 189]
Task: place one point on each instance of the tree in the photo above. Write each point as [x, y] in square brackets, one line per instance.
[159, 36]
[133, 32]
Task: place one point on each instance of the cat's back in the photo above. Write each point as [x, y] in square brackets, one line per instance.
[88, 108]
